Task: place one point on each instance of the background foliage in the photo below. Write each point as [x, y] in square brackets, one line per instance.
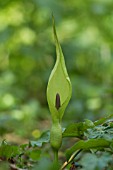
[27, 55]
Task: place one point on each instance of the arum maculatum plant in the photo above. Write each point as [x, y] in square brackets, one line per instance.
[59, 92]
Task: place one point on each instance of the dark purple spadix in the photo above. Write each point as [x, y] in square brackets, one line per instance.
[57, 102]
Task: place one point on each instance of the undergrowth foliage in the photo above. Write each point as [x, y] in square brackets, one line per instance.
[93, 147]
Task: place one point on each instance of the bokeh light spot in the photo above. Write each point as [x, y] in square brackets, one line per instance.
[36, 133]
[8, 100]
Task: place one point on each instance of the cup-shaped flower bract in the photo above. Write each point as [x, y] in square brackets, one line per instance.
[59, 86]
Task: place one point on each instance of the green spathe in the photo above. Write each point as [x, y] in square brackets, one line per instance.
[59, 83]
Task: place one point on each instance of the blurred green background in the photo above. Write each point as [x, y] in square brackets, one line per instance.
[27, 56]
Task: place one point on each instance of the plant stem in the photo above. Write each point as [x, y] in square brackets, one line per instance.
[70, 159]
[56, 156]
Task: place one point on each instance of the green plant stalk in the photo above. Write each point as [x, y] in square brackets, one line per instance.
[56, 156]
[56, 138]
[87, 145]
[70, 160]
[56, 141]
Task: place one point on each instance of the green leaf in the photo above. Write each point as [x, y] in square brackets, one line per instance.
[47, 164]
[34, 154]
[88, 123]
[87, 145]
[77, 129]
[59, 85]
[9, 151]
[89, 159]
[45, 138]
[105, 132]
[74, 130]
[95, 161]
[103, 120]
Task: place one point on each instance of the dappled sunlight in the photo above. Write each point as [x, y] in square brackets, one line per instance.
[8, 100]
[94, 103]
[89, 37]
[36, 133]
[11, 15]
[26, 36]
